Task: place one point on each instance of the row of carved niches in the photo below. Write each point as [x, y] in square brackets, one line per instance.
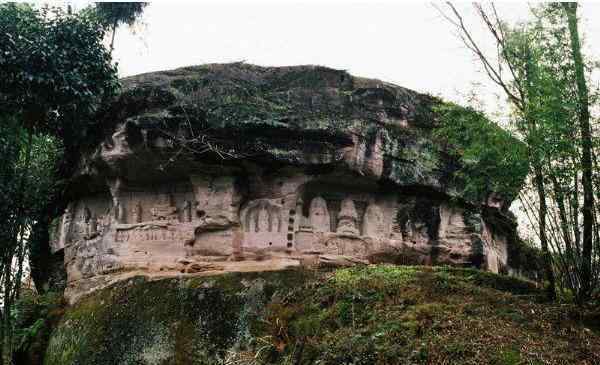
[197, 215]
[90, 217]
[267, 223]
[329, 211]
[85, 219]
[347, 213]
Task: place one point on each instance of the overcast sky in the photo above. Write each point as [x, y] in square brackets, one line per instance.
[406, 43]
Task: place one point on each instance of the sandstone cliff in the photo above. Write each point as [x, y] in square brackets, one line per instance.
[235, 168]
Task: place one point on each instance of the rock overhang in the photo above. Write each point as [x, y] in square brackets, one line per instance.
[300, 115]
[241, 164]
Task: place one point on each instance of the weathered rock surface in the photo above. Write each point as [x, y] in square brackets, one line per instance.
[376, 314]
[236, 168]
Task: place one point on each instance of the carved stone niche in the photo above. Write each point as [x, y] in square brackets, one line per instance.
[137, 213]
[85, 220]
[332, 209]
[186, 211]
[347, 218]
[65, 228]
[373, 224]
[216, 199]
[262, 225]
[318, 214]
[165, 209]
[345, 245]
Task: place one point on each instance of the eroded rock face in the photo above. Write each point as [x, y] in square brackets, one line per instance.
[233, 168]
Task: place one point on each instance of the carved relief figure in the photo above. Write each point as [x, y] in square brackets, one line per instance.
[115, 187]
[373, 221]
[299, 215]
[82, 222]
[101, 222]
[262, 223]
[348, 218]
[119, 212]
[263, 217]
[86, 214]
[92, 227]
[164, 209]
[410, 232]
[137, 213]
[216, 197]
[319, 215]
[303, 223]
[187, 211]
[66, 226]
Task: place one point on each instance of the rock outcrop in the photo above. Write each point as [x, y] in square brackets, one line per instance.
[236, 168]
[380, 314]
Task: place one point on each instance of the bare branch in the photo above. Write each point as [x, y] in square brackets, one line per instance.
[494, 73]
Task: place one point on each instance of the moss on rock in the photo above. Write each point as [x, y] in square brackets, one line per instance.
[170, 321]
[378, 314]
[289, 115]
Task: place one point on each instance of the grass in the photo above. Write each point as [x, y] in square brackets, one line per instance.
[423, 315]
[379, 314]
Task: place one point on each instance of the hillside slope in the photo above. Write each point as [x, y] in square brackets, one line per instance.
[368, 315]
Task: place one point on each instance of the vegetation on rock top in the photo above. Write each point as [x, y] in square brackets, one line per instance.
[485, 151]
[283, 114]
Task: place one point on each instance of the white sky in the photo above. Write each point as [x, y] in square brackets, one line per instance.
[406, 43]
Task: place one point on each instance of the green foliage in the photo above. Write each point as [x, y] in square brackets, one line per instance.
[550, 76]
[538, 53]
[55, 74]
[113, 14]
[33, 317]
[55, 70]
[378, 314]
[524, 256]
[491, 159]
[486, 279]
[507, 357]
[10, 148]
[27, 184]
[384, 275]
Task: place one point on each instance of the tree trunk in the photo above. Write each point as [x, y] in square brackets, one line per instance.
[586, 153]
[112, 40]
[535, 150]
[562, 215]
[571, 262]
[543, 212]
[575, 210]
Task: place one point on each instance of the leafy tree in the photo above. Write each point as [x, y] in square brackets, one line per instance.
[516, 81]
[543, 73]
[55, 74]
[115, 14]
[583, 117]
[492, 161]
